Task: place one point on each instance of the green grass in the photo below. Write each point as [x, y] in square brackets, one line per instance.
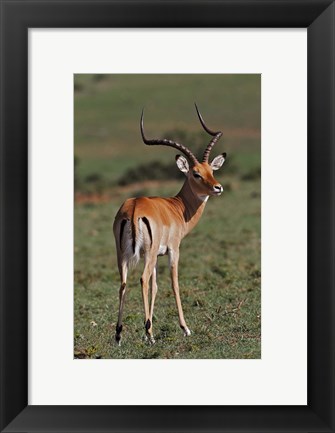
[220, 268]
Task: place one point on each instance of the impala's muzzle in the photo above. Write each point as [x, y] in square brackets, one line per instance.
[217, 189]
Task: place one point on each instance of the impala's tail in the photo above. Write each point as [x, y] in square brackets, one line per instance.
[133, 235]
[128, 242]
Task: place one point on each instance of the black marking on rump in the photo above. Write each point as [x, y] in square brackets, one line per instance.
[148, 325]
[133, 230]
[146, 222]
[123, 223]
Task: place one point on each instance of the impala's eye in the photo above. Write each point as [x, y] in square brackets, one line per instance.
[197, 175]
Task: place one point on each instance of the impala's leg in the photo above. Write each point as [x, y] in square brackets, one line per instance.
[149, 266]
[153, 292]
[123, 269]
[174, 259]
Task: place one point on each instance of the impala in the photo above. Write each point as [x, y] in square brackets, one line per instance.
[149, 227]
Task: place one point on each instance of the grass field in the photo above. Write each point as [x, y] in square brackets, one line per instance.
[220, 269]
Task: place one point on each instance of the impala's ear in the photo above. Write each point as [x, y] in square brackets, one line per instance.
[218, 161]
[182, 163]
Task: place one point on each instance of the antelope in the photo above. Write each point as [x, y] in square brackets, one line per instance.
[149, 227]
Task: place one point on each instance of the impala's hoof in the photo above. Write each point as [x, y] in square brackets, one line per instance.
[187, 332]
[118, 340]
[149, 339]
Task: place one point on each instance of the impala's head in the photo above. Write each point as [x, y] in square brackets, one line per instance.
[200, 174]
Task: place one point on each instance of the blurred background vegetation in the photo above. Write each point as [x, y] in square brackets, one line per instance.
[220, 260]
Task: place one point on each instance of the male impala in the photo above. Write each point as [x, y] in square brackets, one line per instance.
[154, 226]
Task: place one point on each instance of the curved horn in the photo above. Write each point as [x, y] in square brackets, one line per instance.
[216, 135]
[166, 142]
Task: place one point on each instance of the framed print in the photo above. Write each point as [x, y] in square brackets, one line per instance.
[43, 387]
[224, 342]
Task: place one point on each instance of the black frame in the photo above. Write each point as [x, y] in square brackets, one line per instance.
[16, 17]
